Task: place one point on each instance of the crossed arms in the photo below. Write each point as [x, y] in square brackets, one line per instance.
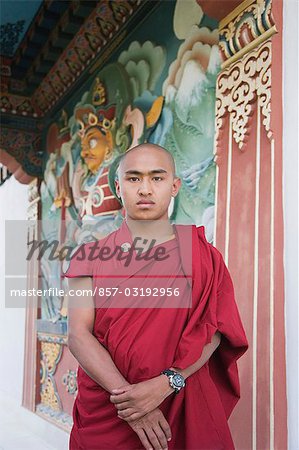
[137, 404]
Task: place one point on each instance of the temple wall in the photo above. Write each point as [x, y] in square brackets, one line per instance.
[172, 82]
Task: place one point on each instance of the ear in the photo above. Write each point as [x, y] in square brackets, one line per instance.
[177, 182]
[117, 188]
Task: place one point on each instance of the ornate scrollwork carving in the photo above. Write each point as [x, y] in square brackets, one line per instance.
[239, 87]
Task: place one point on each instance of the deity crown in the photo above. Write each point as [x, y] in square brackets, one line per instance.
[88, 118]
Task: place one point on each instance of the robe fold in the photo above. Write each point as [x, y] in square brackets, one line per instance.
[143, 341]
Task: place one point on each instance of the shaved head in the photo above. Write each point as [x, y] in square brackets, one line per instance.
[146, 182]
[130, 154]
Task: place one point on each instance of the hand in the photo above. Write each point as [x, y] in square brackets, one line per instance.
[135, 400]
[153, 430]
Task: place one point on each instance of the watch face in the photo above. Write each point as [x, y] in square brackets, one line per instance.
[178, 380]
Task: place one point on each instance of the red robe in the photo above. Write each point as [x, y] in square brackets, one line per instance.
[144, 341]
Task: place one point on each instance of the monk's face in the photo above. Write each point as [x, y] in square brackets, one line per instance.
[146, 183]
[95, 147]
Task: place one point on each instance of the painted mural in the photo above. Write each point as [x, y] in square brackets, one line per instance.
[160, 92]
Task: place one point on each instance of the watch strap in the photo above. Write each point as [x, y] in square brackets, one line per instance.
[170, 373]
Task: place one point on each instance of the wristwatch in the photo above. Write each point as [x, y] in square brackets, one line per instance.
[176, 380]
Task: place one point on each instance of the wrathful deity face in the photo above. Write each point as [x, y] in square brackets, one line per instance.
[96, 147]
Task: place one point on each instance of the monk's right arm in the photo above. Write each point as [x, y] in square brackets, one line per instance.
[90, 354]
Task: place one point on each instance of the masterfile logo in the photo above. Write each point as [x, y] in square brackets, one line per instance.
[136, 273]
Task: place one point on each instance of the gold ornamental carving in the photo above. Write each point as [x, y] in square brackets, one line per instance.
[50, 356]
[49, 395]
[245, 79]
[51, 353]
[239, 87]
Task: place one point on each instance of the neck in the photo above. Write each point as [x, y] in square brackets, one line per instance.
[150, 229]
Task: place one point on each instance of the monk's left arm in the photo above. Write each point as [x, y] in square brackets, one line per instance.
[136, 400]
[207, 352]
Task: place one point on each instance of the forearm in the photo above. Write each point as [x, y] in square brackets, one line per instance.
[96, 361]
[207, 352]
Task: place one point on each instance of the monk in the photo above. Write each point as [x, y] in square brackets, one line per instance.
[157, 342]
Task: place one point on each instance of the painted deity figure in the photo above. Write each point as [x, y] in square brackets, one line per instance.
[98, 153]
[98, 208]
[106, 130]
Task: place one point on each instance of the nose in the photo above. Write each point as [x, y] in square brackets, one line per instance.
[145, 188]
[84, 152]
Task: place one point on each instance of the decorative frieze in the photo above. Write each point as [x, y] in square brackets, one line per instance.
[239, 87]
[245, 28]
[245, 79]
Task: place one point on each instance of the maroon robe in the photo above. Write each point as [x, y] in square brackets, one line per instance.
[144, 341]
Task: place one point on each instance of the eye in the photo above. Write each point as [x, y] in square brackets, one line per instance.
[157, 178]
[93, 143]
[133, 179]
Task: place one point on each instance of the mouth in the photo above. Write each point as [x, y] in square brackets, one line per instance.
[145, 203]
